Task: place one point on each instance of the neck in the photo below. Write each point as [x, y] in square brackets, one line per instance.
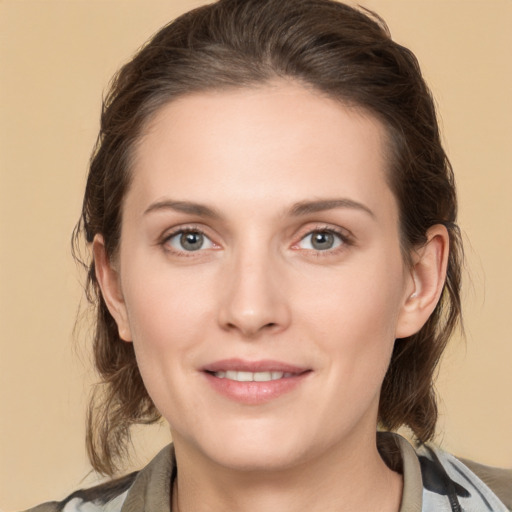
[342, 480]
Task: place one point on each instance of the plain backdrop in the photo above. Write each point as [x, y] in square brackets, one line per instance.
[56, 58]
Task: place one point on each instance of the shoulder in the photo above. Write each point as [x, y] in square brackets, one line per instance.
[436, 481]
[468, 483]
[107, 497]
[498, 479]
[148, 489]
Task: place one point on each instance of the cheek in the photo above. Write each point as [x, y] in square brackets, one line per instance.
[354, 315]
[368, 292]
[167, 314]
[163, 305]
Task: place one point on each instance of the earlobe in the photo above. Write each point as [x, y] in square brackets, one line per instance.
[427, 278]
[109, 281]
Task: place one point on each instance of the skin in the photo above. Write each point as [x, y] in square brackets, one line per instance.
[259, 289]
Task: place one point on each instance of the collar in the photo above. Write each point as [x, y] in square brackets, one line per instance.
[151, 490]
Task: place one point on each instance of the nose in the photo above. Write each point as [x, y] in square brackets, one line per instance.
[254, 299]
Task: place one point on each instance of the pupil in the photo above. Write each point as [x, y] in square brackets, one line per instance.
[323, 240]
[191, 241]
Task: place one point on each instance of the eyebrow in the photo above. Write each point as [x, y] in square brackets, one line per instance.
[184, 207]
[298, 209]
[307, 207]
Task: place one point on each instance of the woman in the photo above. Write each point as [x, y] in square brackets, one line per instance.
[276, 269]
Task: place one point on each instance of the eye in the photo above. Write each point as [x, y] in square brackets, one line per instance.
[321, 240]
[189, 241]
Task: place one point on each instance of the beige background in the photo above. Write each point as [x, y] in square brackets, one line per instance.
[56, 58]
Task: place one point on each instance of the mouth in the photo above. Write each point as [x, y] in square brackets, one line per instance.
[242, 376]
[254, 382]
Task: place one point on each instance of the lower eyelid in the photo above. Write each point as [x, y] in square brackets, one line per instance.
[342, 239]
[207, 243]
[168, 238]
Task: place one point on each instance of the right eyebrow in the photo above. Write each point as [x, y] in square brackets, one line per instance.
[184, 207]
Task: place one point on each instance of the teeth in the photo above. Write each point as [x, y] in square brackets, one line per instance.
[243, 376]
[251, 376]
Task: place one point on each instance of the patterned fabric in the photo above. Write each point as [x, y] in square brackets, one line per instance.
[449, 485]
[79, 505]
[434, 481]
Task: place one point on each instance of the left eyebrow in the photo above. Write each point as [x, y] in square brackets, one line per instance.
[307, 207]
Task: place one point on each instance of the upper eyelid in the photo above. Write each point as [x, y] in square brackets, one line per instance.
[345, 236]
[344, 233]
[186, 228]
[164, 241]
[170, 233]
[338, 230]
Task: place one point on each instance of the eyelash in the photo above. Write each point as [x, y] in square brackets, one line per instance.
[165, 242]
[345, 239]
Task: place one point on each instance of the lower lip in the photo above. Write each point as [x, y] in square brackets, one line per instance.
[254, 393]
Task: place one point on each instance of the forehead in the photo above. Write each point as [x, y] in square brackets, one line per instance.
[278, 141]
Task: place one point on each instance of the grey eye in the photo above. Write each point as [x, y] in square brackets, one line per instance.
[321, 241]
[189, 241]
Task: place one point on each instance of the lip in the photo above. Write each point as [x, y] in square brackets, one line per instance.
[264, 365]
[254, 392]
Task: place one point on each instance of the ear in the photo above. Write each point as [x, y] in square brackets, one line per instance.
[110, 284]
[426, 281]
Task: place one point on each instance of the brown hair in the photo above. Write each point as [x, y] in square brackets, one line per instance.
[339, 50]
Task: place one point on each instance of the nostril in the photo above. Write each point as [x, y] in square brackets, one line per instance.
[252, 330]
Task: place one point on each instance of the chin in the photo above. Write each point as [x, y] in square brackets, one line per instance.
[260, 450]
[254, 459]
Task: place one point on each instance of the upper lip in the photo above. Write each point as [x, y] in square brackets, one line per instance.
[264, 365]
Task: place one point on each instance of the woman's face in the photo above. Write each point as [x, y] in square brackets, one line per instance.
[260, 274]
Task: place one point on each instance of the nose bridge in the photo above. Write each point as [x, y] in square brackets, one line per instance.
[254, 299]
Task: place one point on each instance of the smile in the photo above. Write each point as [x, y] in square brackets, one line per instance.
[241, 376]
[254, 382]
